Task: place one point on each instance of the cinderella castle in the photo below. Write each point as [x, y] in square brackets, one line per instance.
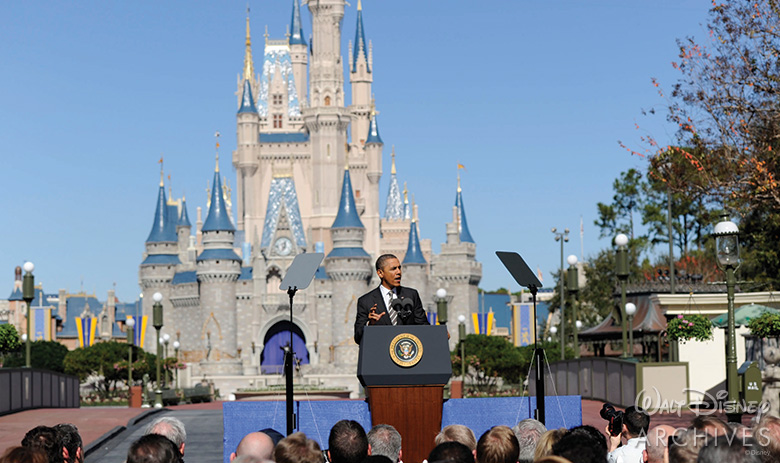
[308, 167]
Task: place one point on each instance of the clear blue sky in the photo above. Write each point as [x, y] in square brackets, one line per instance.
[530, 96]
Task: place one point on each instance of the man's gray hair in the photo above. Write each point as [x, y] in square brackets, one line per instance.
[386, 441]
[528, 433]
[170, 427]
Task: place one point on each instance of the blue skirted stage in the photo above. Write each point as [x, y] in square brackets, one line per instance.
[315, 418]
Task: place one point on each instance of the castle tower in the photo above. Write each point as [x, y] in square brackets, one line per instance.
[245, 158]
[326, 118]
[394, 209]
[299, 53]
[183, 232]
[372, 153]
[348, 265]
[361, 77]
[456, 268]
[415, 267]
[160, 260]
[218, 268]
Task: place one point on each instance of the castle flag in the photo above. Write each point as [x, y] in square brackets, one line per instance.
[140, 329]
[86, 328]
[483, 322]
[433, 318]
[41, 322]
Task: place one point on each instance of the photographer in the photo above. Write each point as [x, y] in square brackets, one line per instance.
[390, 303]
[635, 422]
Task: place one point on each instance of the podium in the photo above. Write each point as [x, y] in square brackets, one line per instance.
[404, 369]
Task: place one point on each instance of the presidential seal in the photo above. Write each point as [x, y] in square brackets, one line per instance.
[406, 350]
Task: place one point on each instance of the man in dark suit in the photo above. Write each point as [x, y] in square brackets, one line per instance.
[375, 307]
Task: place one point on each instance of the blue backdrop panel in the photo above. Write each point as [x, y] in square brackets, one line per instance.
[241, 418]
[316, 417]
[482, 414]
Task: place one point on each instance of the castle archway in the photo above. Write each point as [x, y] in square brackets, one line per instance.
[275, 340]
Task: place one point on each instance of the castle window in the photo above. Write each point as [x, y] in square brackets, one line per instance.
[327, 101]
[277, 121]
[357, 194]
[277, 99]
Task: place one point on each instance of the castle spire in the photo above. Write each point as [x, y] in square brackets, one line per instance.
[296, 26]
[463, 225]
[218, 218]
[394, 209]
[184, 218]
[392, 154]
[249, 67]
[361, 46]
[347, 216]
[247, 101]
[161, 231]
[414, 253]
[373, 128]
[407, 210]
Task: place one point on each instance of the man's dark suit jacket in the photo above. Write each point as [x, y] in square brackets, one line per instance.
[368, 300]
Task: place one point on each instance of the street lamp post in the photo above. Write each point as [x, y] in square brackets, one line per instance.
[176, 345]
[130, 324]
[462, 340]
[622, 273]
[574, 286]
[562, 237]
[727, 247]
[28, 294]
[166, 339]
[157, 322]
[441, 305]
[630, 311]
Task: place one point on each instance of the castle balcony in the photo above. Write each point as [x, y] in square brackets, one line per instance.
[273, 303]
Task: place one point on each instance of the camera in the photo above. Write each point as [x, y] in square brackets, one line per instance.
[403, 307]
[615, 418]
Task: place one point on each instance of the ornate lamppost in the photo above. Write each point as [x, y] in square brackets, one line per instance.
[166, 379]
[630, 311]
[621, 269]
[727, 248]
[157, 322]
[562, 237]
[130, 324]
[441, 305]
[462, 340]
[28, 294]
[176, 345]
[573, 284]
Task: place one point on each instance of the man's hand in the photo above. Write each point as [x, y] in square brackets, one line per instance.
[614, 441]
[374, 317]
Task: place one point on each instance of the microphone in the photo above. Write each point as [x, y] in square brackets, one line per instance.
[402, 306]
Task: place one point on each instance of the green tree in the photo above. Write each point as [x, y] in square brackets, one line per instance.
[489, 358]
[618, 217]
[102, 361]
[48, 355]
[9, 341]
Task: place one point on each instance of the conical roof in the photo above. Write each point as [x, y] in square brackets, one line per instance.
[347, 216]
[414, 253]
[218, 218]
[161, 228]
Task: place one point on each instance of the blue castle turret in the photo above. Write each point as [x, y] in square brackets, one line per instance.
[296, 26]
[463, 225]
[414, 253]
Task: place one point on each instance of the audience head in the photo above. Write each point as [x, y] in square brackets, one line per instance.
[44, 438]
[451, 452]
[296, 448]
[528, 432]
[384, 440]
[726, 449]
[24, 455]
[457, 433]
[498, 445]
[347, 442]
[684, 446]
[767, 435]
[583, 444]
[544, 446]
[275, 435]
[711, 425]
[657, 440]
[72, 451]
[552, 459]
[255, 444]
[170, 427]
[154, 448]
[636, 422]
[247, 459]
